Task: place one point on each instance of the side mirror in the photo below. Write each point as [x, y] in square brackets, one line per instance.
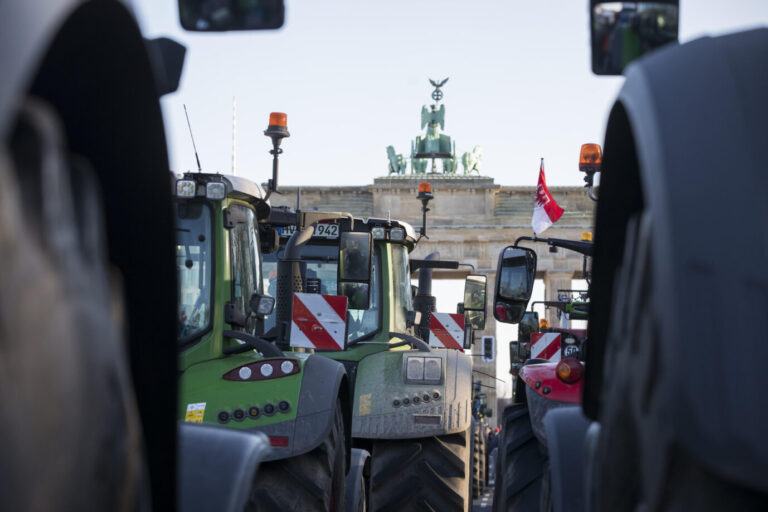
[624, 31]
[221, 16]
[529, 324]
[261, 305]
[355, 253]
[514, 283]
[474, 300]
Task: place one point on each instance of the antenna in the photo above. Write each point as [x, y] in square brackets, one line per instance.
[189, 125]
[234, 132]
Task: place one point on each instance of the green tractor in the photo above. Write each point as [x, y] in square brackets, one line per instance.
[412, 401]
[231, 374]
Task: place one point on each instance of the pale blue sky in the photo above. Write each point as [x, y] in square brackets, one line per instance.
[352, 77]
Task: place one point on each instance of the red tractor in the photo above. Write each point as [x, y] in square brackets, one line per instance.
[548, 364]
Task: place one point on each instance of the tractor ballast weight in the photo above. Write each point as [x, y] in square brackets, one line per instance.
[664, 160]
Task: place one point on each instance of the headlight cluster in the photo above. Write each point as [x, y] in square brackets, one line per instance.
[395, 234]
[426, 370]
[263, 370]
[189, 188]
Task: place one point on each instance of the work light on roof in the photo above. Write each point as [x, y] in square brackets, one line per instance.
[378, 233]
[186, 188]
[215, 191]
[397, 234]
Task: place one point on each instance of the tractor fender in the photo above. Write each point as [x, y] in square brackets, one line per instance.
[324, 381]
[566, 429]
[217, 466]
[690, 126]
[321, 386]
[542, 379]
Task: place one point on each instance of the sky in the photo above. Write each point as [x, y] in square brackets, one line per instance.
[352, 76]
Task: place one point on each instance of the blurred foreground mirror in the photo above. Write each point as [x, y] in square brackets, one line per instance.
[624, 31]
[224, 15]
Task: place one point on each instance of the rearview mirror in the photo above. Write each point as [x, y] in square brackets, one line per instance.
[474, 300]
[514, 283]
[624, 31]
[529, 324]
[355, 252]
[224, 15]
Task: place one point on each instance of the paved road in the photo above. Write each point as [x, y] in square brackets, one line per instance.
[484, 502]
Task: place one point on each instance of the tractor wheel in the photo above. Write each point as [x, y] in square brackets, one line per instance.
[521, 463]
[65, 379]
[314, 481]
[431, 473]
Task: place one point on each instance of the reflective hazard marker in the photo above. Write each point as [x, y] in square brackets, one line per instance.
[545, 345]
[319, 321]
[446, 330]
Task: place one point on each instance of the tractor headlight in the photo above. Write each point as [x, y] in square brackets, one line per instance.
[414, 369]
[186, 188]
[423, 370]
[433, 369]
[215, 191]
[378, 233]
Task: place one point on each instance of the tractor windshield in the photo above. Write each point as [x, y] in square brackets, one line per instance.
[194, 265]
[321, 277]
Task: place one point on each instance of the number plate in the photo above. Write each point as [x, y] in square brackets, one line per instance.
[329, 231]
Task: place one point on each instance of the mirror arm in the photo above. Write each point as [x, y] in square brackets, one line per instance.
[573, 245]
[409, 340]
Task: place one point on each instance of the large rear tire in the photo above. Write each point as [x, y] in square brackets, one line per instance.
[422, 474]
[314, 481]
[521, 464]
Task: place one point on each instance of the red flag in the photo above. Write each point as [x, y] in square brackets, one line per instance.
[545, 210]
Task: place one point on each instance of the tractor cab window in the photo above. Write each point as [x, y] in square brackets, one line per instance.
[194, 267]
[321, 277]
[401, 284]
[244, 250]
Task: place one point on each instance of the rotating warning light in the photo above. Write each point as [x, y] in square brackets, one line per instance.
[586, 236]
[590, 158]
[278, 126]
[425, 191]
[543, 323]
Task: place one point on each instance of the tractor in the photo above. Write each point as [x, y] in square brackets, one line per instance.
[548, 367]
[411, 384]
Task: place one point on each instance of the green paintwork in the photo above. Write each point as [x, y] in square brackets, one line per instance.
[204, 383]
[203, 363]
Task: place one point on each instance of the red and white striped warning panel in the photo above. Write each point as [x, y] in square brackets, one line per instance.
[319, 321]
[446, 330]
[545, 345]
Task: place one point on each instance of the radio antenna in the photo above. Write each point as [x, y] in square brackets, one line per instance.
[189, 125]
